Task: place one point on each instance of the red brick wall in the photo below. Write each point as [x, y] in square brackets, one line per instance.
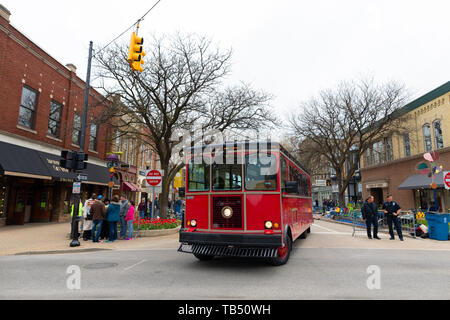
[396, 173]
[18, 64]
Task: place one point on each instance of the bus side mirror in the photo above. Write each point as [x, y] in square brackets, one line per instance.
[182, 192]
[292, 187]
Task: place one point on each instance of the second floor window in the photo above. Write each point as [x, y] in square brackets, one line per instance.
[407, 144]
[54, 122]
[438, 134]
[378, 152]
[427, 137]
[76, 133]
[93, 138]
[388, 144]
[27, 110]
[132, 153]
[118, 141]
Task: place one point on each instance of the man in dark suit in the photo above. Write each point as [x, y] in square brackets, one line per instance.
[370, 215]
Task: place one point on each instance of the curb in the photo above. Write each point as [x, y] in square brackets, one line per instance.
[31, 253]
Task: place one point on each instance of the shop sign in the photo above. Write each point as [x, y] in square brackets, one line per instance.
[76, 188]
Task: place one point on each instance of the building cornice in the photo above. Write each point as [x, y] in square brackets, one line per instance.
[417, 157]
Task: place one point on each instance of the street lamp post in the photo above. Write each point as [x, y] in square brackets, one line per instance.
[75, 219]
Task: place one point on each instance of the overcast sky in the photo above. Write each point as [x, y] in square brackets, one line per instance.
[290, 48]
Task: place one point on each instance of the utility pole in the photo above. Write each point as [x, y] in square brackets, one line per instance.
[75, 219]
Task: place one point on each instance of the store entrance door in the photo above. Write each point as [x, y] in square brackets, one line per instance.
[22, 202]
[43, 205]
[378, 195]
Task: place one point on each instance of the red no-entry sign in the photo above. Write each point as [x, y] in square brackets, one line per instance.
[154, 178]
[447, 180]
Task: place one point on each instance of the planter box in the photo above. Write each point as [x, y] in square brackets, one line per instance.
[2, 222]
[157, 233]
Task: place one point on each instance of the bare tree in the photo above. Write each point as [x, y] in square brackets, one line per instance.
[341, 125]
[180, 89]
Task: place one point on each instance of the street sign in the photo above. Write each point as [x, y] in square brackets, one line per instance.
[82, 177]
[154, 178]
[321, 183]
[76, 188]
[447, 180]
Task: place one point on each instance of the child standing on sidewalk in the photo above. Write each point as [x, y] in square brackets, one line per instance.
[130, 219]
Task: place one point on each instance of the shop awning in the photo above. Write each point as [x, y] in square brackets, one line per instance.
[129, 186]
[420, 181]
[22, 162]
[96, 174]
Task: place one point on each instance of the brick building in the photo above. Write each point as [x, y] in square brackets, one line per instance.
[42, 103]
[390, 166]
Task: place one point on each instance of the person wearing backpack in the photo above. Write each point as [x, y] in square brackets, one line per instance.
[113, 217]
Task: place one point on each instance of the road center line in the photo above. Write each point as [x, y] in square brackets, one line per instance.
[330, 230]
[135, 265]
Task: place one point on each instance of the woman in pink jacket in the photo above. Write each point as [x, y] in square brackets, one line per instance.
[130, 219]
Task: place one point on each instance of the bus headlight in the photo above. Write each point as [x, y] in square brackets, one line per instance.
[193, 223]
[227, 212]
[268, 225]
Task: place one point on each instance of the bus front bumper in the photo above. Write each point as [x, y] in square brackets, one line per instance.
[234, 245]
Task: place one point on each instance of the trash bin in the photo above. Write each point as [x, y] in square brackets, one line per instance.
[438, 225]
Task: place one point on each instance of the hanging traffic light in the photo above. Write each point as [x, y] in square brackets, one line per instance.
[68, 159]
[81, 161]
[73, 161]
[136, 53]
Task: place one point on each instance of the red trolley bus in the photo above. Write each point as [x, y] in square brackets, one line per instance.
[257, 206]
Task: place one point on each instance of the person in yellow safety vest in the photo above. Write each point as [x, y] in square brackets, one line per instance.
[80, 209]
[80, 214]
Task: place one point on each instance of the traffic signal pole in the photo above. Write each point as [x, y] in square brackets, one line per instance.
[77, 196]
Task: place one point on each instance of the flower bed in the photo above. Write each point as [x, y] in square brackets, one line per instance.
[156, 224]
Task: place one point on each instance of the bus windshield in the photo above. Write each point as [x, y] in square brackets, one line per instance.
[198, 178]
[227, 177]
[261, 174]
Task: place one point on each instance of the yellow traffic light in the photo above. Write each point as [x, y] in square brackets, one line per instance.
[136, 53]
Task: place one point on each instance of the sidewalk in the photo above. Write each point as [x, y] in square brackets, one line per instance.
[53, 238]
[332, 234]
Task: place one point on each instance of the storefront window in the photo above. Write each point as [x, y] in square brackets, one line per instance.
[424, 199]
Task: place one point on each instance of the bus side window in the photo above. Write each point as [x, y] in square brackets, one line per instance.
[294, 175]
[304, 185]
[284, 172]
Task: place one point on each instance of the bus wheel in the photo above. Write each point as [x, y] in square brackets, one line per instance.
[283, 253]
[203, 257]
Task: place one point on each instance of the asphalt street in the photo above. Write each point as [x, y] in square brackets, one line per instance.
[313, 272]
